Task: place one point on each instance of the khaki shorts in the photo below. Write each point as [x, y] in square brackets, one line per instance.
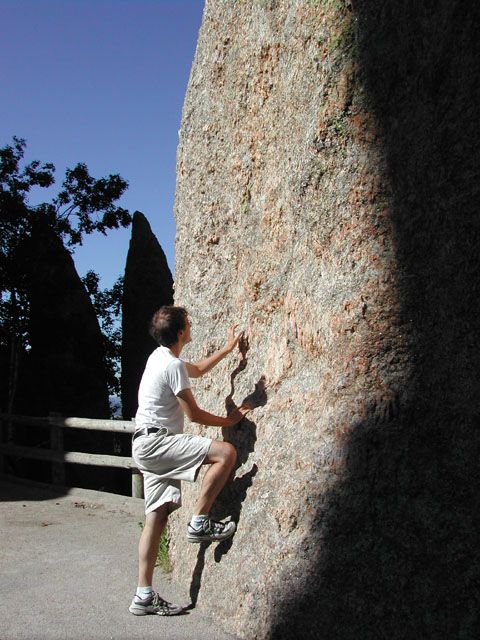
[164, 459]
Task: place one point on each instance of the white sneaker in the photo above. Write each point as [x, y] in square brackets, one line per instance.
[154, 604]
[210, 531]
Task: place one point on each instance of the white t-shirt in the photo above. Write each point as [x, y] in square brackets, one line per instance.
[164, 377]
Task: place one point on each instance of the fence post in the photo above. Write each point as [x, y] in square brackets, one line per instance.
[137, 480]
[2, 457]
[137, 484]
[56, 444]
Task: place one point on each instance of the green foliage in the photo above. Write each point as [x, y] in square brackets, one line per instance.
[345, 41]
[163, 559]
[91, 202]
[83, 205]
[339, 125]
[108, 307]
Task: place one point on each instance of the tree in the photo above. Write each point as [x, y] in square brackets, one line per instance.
[108, 307]
[14, 224]
[83, 205]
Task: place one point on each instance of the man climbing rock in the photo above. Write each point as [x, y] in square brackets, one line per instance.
[165, 455]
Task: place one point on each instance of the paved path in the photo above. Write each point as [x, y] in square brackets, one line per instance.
[68, 570]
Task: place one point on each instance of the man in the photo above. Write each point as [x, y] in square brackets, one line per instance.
[165, 455]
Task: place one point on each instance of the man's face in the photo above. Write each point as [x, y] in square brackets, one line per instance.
[186, 336]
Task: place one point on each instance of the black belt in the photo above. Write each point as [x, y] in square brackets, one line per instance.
[146, 431]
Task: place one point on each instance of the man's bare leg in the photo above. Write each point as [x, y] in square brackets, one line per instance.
[221, 458]
[148, 544]
[146, 600]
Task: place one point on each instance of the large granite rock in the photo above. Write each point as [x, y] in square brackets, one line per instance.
[64, 371]
[147, 286]
[65, 366]
[327, 176]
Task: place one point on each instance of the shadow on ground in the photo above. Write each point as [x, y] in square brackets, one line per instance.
[16, 489]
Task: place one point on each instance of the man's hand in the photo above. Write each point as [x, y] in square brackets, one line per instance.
[237, 414]
[202, 367]
[233, 339]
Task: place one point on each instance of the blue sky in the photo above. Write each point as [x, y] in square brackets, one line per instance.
[101, 82]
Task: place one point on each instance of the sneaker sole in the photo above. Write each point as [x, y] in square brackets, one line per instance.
[192, 538]
[143, 612]
[138, 612]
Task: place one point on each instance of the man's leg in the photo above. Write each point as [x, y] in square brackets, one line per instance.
[146, 600]
[155, 522]
[221, 457]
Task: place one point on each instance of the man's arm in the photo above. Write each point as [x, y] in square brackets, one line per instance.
[193, 411]
[202, 367]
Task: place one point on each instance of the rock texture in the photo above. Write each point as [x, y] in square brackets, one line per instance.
[147, 286]
[327, 176]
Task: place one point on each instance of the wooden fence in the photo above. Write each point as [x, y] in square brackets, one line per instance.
[56, 453]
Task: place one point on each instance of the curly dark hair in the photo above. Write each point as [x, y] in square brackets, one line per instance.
[166, 323]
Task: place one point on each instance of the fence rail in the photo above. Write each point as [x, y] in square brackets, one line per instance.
[56, 453]
[117, 426]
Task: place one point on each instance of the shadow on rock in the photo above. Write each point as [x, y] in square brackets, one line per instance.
[233, 495]
[393, 551]
[229, 502]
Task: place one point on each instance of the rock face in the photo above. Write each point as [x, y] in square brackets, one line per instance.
[148, 285]
[327, 174]
[66, 368]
